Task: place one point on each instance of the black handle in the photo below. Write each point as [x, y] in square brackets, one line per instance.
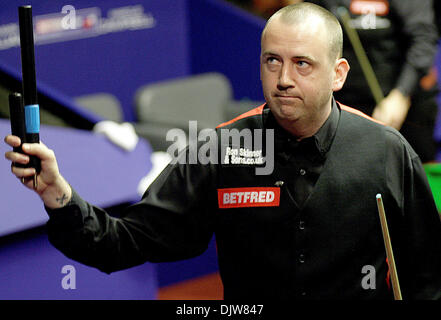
[16, 111]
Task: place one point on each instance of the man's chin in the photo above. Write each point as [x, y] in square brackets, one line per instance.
[288, 110]
[287, 116]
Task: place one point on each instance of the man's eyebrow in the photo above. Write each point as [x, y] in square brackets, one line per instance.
[304, 58]
[269, 53]
[301, 57]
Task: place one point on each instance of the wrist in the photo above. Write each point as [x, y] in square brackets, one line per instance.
[58, 194]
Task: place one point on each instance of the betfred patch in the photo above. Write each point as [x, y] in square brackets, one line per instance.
[248, 197]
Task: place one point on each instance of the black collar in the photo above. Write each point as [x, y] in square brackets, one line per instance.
[321, 141]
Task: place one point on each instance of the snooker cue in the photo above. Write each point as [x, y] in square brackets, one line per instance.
[362, 58]
[389, 252]
[31, 107]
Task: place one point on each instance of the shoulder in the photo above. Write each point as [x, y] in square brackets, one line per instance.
[394, 140]
[249, 119]
[360, 116]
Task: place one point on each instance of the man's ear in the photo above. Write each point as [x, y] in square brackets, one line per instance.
[341, 70]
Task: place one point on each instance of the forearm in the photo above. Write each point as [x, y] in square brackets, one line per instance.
[421, 32]
[87, 234]
[163, 226]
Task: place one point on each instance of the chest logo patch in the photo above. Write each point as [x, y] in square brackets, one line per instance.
[248, 197]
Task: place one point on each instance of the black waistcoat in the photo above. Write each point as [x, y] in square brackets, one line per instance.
[324, 249]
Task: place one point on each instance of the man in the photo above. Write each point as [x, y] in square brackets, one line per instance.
[307, 229]
[400, 40]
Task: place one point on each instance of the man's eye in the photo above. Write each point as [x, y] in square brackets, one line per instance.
[302, 64]
[272, 60]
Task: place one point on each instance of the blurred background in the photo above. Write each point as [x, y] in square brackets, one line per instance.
[113, 77]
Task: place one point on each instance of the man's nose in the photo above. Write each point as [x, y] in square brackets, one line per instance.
[285, 78]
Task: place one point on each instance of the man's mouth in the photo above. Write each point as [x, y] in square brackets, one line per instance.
[286, 97]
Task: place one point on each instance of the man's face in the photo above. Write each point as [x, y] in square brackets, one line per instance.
[296, 71]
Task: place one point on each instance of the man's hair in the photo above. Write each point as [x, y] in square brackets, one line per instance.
[300, 12]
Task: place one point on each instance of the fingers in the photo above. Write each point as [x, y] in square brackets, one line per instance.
[23, 172]
[39, 150]
[390, 117]
[13, 141]
[16, 157]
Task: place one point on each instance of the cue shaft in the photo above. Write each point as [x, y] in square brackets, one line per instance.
[27, 55]
[362, 58]
[389, 252]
